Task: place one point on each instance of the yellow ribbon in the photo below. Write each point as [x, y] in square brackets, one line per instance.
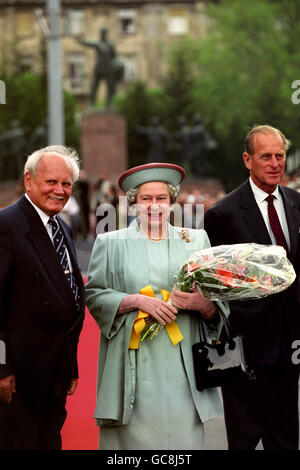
[139, 324]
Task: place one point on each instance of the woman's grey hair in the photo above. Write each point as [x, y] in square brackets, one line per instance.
[132, 194]
[68, 154]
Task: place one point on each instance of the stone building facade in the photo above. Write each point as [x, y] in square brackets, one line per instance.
[142, 32]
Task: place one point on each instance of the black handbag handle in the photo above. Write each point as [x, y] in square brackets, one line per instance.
[226, 326]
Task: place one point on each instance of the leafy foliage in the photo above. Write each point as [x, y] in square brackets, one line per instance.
[239, 75]
[246, 67]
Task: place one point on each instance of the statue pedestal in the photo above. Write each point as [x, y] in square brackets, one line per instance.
[103, 145]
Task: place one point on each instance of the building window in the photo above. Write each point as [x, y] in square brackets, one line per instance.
[177, 22]
[127, 21]
[130, 67]
[76, 22]
[76, 70]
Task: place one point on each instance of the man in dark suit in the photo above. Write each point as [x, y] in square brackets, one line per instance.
[41, 304]
[266, 408]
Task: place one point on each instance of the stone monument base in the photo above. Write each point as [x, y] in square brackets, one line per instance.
[103, 145]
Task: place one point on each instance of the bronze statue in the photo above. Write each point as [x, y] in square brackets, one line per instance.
[183, 137]
[39, 138]
[158, 140]
[13, 148]
[202, 143]
[107, 68]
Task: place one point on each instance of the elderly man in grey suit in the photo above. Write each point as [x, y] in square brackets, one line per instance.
[41, 304]
[262, 211]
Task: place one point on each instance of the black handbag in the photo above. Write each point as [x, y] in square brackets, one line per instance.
[220, 362]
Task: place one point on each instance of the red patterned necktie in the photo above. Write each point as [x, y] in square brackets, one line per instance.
[275, 223]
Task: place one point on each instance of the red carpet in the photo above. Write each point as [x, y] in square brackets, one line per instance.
[79, 431]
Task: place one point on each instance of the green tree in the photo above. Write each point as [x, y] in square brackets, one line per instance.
[138, 105]
[242, 75]
[26, 102]
[172, 99]
[178, 83]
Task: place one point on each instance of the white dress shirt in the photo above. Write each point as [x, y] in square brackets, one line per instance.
[260, 197]
[45, 219]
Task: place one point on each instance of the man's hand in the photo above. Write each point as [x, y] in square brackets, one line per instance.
[7, 388]
[72, 386]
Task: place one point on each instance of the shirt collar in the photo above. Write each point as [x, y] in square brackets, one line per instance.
[45, 218]
[261, 195]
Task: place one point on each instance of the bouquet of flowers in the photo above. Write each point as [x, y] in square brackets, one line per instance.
[237, 272]
[233, 272]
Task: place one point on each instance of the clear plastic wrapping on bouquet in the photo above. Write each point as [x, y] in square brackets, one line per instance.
[237, 272]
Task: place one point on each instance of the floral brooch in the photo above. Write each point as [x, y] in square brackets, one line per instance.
[185, 235]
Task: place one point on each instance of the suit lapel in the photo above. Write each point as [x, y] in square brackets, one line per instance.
[177, 252]
[252, 216]
[254, 220]
[293, 221]
[139, 251]
[41, 242]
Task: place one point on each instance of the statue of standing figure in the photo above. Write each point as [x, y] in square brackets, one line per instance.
[39, 138]
[183, 138]
[193, 143]
[201, 144]
[13, 148]
[107, 68]
[158, 140]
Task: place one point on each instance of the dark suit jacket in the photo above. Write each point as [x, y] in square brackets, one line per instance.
[265, 323]
[38, 318]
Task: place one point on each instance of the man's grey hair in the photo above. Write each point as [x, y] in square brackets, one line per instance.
[69, 155]
[132, 194]
[263, 129]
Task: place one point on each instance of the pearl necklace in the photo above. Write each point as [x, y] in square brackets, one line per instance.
[158, 239]
[154, 239]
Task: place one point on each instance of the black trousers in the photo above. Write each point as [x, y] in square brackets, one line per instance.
[266, 409]
[32, 422]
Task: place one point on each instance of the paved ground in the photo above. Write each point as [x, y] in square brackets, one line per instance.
[215, 429]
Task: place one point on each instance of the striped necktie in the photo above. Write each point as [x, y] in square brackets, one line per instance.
[61, 250]
[275, 223]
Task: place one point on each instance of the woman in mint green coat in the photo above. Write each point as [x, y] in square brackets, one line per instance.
[146, 391]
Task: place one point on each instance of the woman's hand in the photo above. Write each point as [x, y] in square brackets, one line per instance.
[158, 309]
[194, 301]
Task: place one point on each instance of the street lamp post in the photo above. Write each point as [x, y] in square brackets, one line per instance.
[52, 32]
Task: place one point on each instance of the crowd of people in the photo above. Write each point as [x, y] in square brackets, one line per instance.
[81, 210]
[83, 214]
[147, 395]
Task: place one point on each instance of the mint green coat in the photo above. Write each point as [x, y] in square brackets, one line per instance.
[119, 267]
